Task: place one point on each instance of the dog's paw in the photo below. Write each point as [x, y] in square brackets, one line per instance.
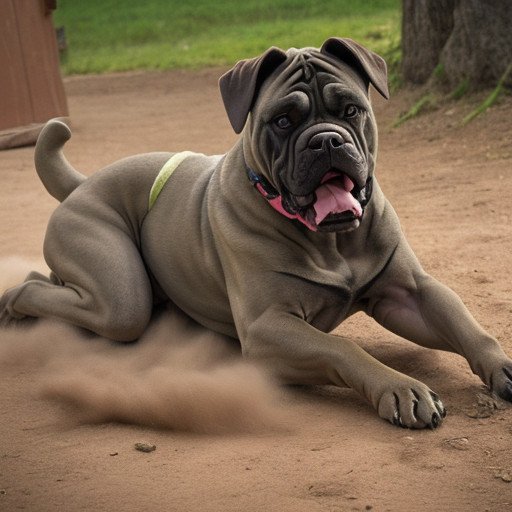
[413, 406]
[8, 317]
[501, 381]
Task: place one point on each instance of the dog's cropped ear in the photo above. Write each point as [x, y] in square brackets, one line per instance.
[240, 85]
[370, 65]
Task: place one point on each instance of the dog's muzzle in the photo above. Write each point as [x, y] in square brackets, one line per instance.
[336, 204]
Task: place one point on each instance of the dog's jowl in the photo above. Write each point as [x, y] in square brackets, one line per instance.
[274, 243]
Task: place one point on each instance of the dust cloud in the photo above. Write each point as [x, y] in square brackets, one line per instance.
[177, 376]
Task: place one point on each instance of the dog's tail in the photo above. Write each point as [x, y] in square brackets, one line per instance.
[56, 173]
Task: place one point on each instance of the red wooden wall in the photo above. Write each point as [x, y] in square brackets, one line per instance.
[31, 88]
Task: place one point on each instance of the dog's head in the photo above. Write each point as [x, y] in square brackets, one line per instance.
[310, 134]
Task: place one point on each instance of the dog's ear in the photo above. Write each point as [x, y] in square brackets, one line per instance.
[369, 65]
[240, 85]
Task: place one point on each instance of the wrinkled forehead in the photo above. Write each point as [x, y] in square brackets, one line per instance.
[310, 67]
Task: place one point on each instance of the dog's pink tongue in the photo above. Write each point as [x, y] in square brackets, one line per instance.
[335, 197]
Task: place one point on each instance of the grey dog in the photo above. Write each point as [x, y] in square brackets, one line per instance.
[274, 243]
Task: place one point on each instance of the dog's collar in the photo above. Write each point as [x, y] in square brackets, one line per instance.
[262, 185]
[165, 173]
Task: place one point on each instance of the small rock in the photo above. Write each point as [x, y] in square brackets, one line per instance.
[320, 447]
[484, 407]
[458, 443]
[476, 413]
[113, 454]
[504, 474]
[145, 447]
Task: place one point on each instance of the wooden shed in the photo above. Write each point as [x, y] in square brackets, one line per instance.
[31, 88]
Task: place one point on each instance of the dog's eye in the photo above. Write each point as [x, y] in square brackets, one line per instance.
[283, 122]
[351, 111]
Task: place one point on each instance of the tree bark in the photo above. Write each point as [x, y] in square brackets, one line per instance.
[425, 31]
[463, 40]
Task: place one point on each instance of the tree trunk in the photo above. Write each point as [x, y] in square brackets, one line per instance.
[463, 40]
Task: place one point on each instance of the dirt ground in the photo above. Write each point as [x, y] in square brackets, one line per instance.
[452, 187]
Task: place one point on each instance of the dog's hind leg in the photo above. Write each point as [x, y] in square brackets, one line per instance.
[99, 281]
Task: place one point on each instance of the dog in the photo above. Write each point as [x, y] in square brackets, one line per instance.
[274, 243]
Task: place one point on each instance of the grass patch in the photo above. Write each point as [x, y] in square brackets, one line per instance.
[122, 35]
[491, 99]
[460, 90]
[425, 102]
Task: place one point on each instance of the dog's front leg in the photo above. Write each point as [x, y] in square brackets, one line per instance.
[414, 305]
[299, 353]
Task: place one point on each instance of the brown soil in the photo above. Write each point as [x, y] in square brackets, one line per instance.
[450, 185]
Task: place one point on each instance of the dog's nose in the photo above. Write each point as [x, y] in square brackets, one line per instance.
[324, 140]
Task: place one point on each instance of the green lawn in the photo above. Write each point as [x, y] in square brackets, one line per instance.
[119, 35]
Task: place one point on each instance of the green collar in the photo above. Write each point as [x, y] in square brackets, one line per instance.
[165, 173]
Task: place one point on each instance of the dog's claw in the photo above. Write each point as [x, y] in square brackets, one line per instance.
[441, 409]
[501, 382]
[397, 421]
[436, 421]
[506, 392]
